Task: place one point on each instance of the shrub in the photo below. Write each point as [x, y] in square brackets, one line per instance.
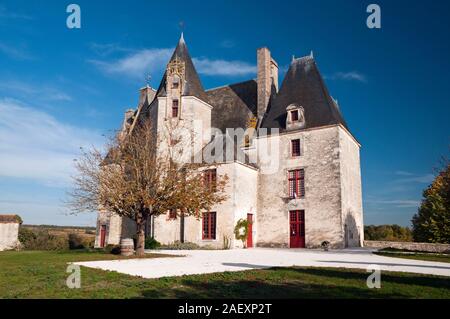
[76, 241]
[43, 240]
[113, 249]
[241, 231]
[152, 243]
[178, 245]
[26, 236]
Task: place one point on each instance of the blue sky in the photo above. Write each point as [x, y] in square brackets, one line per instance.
[63, 88]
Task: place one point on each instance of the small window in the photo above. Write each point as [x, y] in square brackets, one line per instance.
[296, 183]
[173, 214]
[210, 178]
[175, 82]
[175, 108]
[295, 147]
[209, 226]
[294, 116]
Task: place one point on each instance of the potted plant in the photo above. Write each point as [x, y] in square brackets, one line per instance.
[325, 245]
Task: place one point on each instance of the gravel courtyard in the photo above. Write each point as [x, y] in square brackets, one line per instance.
[211, 261]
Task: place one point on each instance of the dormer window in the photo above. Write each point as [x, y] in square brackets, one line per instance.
[175, 82]
[295, 118]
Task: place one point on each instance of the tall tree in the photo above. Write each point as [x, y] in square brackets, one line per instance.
[432, 222]
[138, 180]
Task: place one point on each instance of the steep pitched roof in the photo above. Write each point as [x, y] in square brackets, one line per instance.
[233, 104]
[193, 85]
[303, 85]
[224, 148]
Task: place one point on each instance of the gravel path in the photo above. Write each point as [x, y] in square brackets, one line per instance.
[210, 261]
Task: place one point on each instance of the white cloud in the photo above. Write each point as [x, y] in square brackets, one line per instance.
[36, 91]
[34, 145]
[227, 44]
[15, 52]
[137, 64]
[349, 76]
[222, 67]
[400, 203]
[153, 61]
[6, 14]
[421, 179]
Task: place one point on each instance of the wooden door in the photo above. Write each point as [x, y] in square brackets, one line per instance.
[297, 228]
[102, 235]
[250, 231]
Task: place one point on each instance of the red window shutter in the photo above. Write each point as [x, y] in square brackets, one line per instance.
[209, 225]
[296, 183]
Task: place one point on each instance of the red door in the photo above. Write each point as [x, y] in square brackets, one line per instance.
[297, 228]
[102, 235]
[250, 231]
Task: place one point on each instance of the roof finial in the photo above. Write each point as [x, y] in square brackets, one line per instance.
[181, 24]
[293, 58]
[311, 54]
[148, 79]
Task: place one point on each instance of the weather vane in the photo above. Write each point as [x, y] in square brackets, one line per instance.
[148, 79]
[181, 25]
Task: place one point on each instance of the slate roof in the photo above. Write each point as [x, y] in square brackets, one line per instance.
[233, 104]
[193, 85]
[217, 148]
[303, 85]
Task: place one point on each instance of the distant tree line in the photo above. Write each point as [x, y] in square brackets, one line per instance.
[388, 233]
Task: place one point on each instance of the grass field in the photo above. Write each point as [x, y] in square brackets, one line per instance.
[36, 274]
[418, 256]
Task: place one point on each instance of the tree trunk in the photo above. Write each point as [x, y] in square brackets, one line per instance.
[140, 242]
[182, 227]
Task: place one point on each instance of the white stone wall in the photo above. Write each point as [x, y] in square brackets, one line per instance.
[350, 176]
[9, 233]
[322, 203]
[241, 192]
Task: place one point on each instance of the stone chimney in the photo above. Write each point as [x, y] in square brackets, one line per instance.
[266, 78]
[146, 93]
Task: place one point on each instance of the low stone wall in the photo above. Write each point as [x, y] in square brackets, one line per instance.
[432, 248]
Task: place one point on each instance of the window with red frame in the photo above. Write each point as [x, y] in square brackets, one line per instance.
[295, 147]
[209, 225]
[296, 181]
[175, 108]
[210, 178]
[294, 116]
[173, 214]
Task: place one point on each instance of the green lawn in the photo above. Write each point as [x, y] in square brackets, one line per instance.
[418, 256]
[35, 274]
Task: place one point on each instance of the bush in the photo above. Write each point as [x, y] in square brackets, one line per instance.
[43, 240]
[387, 233]
[178, 245]
[76, 242]
[113, 249]
[26, 236]
[152, 243]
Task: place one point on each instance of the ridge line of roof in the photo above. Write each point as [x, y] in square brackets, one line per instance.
[228, 85]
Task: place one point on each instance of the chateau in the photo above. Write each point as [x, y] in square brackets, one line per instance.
[305, 190]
